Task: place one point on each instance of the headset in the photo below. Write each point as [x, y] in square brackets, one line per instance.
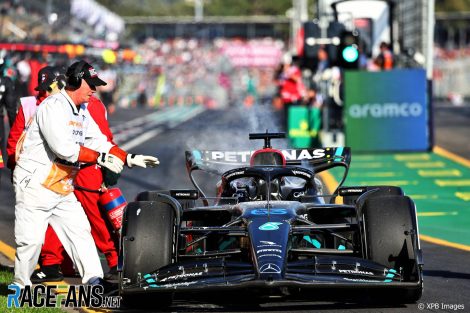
[74, 80]
[60, 80]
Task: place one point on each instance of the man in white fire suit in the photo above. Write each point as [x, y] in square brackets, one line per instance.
[61, 136]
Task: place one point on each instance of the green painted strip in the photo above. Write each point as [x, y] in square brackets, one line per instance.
[440, 173]
[381, 165]
[377, 174]
[425, 164]
[422, 197]
[412, 157]
[453, 183]
[441, 201]
[465, 196]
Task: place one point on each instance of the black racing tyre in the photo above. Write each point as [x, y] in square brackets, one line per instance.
[147, 244]
[390, 234]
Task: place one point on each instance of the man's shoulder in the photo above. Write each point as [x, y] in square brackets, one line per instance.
[55, 98]
[55, 101]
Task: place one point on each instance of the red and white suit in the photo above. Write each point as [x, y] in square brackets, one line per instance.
[43, 179]
[90, 177]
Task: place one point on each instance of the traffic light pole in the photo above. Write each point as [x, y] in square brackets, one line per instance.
[299, 16]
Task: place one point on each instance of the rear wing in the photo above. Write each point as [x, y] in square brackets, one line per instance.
[318, 159]
[218, 162]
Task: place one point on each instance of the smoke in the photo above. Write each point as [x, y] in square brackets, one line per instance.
[229, 129]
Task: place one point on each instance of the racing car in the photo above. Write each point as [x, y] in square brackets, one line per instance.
[270, 232]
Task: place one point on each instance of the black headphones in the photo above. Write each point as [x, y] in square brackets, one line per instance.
[74, 80]
[61, 83]
[59, 77]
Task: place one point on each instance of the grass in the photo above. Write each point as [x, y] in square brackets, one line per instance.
[6, 277]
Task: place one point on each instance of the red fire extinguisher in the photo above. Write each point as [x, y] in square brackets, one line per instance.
[113, 203]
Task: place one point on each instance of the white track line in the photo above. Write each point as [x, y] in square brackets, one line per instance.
[154, 132]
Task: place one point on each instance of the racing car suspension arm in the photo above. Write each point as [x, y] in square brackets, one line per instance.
[201, 192]
[203, 237]
[237, 230]
[323, 228]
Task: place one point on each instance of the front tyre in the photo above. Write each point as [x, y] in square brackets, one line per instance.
[147, 244]
[390, 231]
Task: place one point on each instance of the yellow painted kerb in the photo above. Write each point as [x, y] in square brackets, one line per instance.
[7, 250]
[442, 242]
[449, 155]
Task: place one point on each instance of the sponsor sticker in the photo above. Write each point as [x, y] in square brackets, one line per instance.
[271, 211]
[244, 156]
[270, 226]
[269, 268]
[356, 272]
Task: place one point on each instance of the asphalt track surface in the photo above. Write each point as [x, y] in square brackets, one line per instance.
[447, 270]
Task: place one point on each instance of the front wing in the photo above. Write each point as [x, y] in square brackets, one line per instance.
[321, 272]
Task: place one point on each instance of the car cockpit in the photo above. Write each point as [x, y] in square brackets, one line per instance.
[268, 177]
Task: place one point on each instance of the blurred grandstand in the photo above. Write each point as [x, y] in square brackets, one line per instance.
[76, 21]
[224, 53]
[153, 71]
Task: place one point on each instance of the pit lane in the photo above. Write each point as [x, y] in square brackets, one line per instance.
[447, 276]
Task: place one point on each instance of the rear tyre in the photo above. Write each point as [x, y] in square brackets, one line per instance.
[147, 245]
[390, 232]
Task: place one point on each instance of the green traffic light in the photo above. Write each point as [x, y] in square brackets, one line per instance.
[350, 54]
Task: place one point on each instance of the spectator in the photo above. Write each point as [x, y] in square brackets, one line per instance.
[292, 89]
[7, 101]
[385, 58]
[107, 92]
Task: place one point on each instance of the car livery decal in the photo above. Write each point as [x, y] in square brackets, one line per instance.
[270, 268]
[243, 157]
[271, 211]
[270, 226]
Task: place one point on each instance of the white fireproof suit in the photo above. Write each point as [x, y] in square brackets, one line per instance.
[44, 189]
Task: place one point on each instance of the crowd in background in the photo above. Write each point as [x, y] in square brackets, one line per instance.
[191, 71]
[168, 73]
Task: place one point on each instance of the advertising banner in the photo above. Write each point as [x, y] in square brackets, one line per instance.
[303, 126]
[253, 53]
[386, 111]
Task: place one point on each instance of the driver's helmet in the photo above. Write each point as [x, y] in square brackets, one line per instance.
[243, 189]
[268, 156]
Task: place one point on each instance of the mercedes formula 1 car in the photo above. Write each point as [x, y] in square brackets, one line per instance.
[271, 232]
